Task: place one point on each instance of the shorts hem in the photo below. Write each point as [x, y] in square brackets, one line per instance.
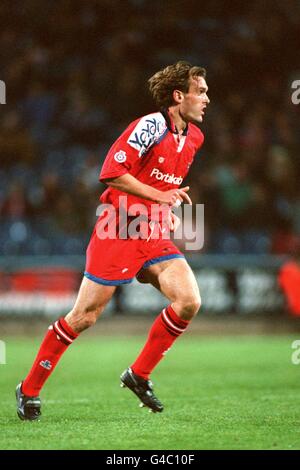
[107, 282]
[161, 258]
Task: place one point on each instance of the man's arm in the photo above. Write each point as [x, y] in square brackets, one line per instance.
[129, 184]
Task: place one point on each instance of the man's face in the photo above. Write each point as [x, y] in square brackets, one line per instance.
[194, 102]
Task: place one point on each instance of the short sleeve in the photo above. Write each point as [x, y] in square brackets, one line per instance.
[133, 144]
[119, 158]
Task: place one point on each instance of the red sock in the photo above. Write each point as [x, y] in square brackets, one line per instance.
[59, 336]
[165, 329]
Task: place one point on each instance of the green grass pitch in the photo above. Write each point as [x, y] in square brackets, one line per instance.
[219, 393]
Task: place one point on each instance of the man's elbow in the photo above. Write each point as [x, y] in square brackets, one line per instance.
[109, 181]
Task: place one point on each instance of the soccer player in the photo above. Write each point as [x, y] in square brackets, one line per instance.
[146, 164]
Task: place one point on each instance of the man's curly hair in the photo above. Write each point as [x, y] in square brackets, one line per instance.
[174, 77]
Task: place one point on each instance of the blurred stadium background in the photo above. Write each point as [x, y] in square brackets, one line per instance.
[76, 73]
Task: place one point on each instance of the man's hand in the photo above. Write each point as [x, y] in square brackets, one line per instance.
[174, 197]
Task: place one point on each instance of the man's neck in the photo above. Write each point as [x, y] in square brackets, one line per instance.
[177, 119]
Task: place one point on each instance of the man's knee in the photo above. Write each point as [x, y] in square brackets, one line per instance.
[189, 307]
[81, 319]
[89, 318]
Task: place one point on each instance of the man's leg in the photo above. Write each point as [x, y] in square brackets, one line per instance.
[175, 279]
[91, 301]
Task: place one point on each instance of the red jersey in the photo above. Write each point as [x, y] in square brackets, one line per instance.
[151, 150]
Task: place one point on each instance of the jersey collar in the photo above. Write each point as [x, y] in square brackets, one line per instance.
[170, 124]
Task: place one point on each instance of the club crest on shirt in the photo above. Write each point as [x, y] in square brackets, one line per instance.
[120, 156]
[161, 159]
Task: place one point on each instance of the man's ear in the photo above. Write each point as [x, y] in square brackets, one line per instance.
[177, 96]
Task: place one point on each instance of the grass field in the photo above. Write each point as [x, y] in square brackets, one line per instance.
[219, 393]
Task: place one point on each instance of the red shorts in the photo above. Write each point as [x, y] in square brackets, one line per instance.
[117, 261]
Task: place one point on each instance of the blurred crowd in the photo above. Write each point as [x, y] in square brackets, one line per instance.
[76, 74]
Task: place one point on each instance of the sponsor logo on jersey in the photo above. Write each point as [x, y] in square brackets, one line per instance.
[120, 156]
[172, 179]
[147, 132]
